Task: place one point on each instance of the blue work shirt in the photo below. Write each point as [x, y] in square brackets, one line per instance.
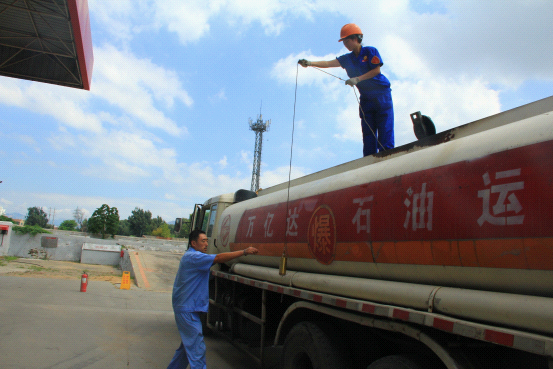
[191, 287]
[357, 65]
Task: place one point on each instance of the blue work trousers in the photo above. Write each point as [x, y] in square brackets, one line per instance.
[378, 114]
[192, 347]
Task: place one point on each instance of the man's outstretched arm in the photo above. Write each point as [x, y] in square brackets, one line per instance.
[228, 256]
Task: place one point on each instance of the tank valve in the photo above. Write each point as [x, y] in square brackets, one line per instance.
[422, 125]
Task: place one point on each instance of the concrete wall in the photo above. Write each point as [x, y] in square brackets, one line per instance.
[100, 254]
[70, 243]
[5, 239]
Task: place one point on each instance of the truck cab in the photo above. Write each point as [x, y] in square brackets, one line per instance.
[206, 216]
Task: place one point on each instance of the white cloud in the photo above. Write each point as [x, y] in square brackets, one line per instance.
[349, 123]
[190, 20]
[136, 85]
[284, 71]
[6, 202]
[126, 156]
[119, 171]
[270, 14]
[318, 154]
[280, 175]
[170, 196]
[508, 41]
[464, 38]
[206, 182]
[447, 103]
[221, 95]
[62, 103]
[134, 157]
[29, 140]
[246, 157]
[493, 38]
[120, 17]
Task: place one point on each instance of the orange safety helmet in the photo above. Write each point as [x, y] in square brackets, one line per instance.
[348, 30]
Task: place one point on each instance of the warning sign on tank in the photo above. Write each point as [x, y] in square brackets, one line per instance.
[321, 235]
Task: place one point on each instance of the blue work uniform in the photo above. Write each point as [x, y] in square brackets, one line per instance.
[376, 109]
[190, 298]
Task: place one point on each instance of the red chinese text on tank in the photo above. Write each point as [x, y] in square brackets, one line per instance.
[321, 235]
[225, 231]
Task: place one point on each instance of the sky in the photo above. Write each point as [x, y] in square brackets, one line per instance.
[165, 124]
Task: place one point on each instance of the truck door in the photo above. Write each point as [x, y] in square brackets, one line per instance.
[196, 221]
[209, 219]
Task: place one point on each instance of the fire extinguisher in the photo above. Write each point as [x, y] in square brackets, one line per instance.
[84, 282]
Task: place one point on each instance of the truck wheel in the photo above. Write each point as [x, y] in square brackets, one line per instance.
[308, 347]
[394, 362]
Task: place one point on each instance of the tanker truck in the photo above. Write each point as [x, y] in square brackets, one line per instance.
[435, 254]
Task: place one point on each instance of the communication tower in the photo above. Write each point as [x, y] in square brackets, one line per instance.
[258, 127]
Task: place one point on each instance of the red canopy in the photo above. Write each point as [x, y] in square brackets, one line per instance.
[47, 41]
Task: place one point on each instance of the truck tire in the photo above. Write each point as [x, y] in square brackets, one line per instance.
[394, 362]
[308, 347]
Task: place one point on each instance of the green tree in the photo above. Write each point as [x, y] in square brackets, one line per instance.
[140, 222]
[84, 225]
[68, 225]
[124, 227]
[162, 231]
[157, 222]
[185, 229]
[104, 220]
[36, 216]
[172, 230]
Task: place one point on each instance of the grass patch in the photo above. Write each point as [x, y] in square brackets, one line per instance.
[4, 260]
[36, 268]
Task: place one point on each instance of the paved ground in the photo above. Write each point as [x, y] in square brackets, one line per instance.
[47, 323]
[155, 270]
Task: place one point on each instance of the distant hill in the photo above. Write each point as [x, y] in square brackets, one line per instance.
[16, 216]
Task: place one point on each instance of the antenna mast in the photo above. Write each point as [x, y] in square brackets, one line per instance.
[258, 127]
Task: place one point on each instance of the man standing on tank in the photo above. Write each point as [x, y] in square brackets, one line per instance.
[376, 109]
[191, 297]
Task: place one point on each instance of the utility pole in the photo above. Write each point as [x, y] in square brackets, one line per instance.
[258, 127]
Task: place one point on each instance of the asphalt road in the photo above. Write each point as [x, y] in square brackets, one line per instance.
[48, 323]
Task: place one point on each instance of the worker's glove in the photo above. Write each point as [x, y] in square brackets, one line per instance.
[304, 63]
[352, 81]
